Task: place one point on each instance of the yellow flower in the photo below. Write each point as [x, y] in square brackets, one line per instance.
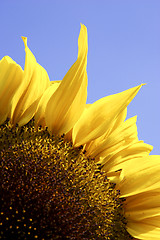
[97, 181]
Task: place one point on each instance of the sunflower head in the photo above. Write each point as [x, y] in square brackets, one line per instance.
[71, 170]
[50, 189]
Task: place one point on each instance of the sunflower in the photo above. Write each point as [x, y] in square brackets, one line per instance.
[71, 170]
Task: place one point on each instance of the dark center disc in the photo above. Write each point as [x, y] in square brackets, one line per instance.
[50, 190]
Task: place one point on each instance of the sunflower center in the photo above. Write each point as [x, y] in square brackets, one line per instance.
[50, 190]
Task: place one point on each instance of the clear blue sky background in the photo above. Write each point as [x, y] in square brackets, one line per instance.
[124, 47]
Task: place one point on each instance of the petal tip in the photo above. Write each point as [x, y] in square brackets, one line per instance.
[83, 28]
[24, 40]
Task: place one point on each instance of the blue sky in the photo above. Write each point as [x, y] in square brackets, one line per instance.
[124, 47]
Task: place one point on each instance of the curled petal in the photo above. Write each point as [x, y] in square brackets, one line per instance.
[11, 76]
[35, 82]
[68, 102]
[97, 118]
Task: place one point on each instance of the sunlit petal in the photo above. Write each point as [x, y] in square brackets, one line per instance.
[119, 160]
[118, 139]
[144, 231]
[35, 82]
[140, 175]
[40, 114]
[11, 76]
[68, 102]
[97, 118]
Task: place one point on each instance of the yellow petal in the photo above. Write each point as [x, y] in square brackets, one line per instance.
[40, 114]
[97, 146]
[143, 230]
[35, 82]
[97, 118]
[115, 177]
[68, 102]
[142, 206]
[119, 120]
[140, 175]
[120, 160]
[120, 138]
[143, 200]
[10, 78]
